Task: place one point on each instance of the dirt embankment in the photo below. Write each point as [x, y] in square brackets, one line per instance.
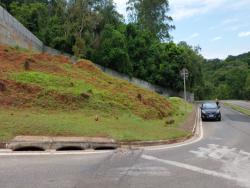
[112, 92]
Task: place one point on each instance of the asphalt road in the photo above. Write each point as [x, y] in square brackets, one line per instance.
[243, 104]
[220, 160]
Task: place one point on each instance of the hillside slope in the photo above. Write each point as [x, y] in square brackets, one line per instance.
[42, 94]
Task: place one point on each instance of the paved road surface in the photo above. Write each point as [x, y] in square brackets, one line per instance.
[220, 160]
[243, 104]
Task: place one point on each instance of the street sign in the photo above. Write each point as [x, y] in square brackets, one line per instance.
[184, 73]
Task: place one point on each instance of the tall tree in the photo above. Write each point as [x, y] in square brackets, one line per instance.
[152, 15]
[32, 15]
[113, 50]
[6, 3]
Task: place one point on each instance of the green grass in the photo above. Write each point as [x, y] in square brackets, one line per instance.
[52, 82]
[126, 127]
[238, 108]
[115, 120]
[180, 109]
[67, 101]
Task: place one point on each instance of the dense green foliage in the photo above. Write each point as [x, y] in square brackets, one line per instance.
[152, 16]
[141, 48]
[93, 29]
[228, 79]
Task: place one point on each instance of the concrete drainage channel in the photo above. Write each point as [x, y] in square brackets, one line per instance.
[38, 143]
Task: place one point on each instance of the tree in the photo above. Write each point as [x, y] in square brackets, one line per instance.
[152, 16]
[30, 15]
[247, 87]
[141, 50]
[113, 50]
[193, 61]
[87, 19]
[230, 78]
[93, 29]
[6, 3]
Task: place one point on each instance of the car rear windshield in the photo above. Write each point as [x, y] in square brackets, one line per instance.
[210, 105]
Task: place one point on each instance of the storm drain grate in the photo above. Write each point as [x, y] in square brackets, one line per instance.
[29, 148]
[70, 148]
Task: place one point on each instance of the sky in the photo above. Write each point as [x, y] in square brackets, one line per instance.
[219, 27]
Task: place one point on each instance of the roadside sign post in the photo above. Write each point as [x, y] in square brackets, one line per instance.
[184, 74]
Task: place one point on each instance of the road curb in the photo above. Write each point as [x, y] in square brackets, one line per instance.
[196, 137]
[2, 145]
[233, 106]
[153, 143]
[44, 143]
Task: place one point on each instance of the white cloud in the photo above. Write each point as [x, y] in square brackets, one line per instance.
[223, 53]
[239, 4]
[194, 35]
[231, 24]
[244, 34]
[234, 28]
[216, 39]
[187, 8]
[181, 9]
[229, 21]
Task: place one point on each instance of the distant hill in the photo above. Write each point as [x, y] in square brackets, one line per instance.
[243, 57]
[227, 79]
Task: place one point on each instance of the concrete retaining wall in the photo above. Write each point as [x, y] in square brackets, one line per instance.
[14, 33]
[141, 83]
[53, 51]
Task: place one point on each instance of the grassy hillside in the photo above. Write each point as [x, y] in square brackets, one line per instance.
[42, 94]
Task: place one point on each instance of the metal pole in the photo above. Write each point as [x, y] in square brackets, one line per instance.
[184, 73]
[185, 94]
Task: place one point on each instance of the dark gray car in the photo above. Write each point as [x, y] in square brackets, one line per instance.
[210, 111]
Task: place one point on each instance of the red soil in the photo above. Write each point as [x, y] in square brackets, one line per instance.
[148, 105]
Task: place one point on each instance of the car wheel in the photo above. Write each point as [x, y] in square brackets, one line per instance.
[219, 119]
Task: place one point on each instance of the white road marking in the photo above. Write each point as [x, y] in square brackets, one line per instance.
[214, 138]
[241, 181]
[143, 171]
[234, 161]
[189, 142]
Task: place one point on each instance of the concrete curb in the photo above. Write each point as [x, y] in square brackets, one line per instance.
[154, 143]
[197, 136]
[2, 145]
[44, 143]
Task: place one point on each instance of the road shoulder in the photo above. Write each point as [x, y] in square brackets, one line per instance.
[237, 108]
